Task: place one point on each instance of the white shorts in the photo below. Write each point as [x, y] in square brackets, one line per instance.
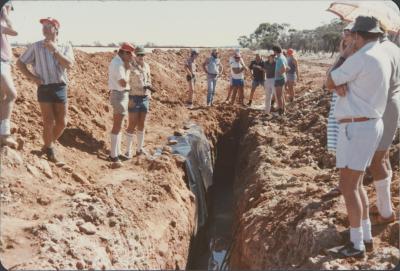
[357, 143]
[5, 68]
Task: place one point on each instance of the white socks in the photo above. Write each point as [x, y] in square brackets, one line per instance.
[366, 228]
[356, 237]
[140, 140]
[383, 197]
[5, 127]
[114, 145]
[129, 142]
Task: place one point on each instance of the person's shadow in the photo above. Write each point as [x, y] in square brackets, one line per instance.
[81, 140]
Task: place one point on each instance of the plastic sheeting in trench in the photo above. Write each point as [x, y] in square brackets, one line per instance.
[195, 148]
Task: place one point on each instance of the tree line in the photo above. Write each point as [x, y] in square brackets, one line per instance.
[324, 38]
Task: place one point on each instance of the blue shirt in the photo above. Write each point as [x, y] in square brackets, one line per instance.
[280, 61]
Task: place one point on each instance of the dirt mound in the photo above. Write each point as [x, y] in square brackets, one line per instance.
[86, 215]
[287, 214]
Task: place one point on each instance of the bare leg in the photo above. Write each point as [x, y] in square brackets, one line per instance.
[60, 116]
[48, 123]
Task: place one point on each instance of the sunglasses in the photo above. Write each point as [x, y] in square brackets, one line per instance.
[141, 55]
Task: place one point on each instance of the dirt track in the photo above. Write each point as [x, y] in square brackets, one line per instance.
[86, 215]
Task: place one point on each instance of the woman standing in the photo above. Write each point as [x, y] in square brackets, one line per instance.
[269, 67]
[139, 96]
[8, 94]
[292, 75]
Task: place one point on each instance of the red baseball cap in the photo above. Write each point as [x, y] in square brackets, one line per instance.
[51, 21]
[126, 46]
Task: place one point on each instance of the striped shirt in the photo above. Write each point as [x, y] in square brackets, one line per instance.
[45, 65]
[333, 126]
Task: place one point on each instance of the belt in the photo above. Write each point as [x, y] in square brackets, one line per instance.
[354, 119]
[54, 85]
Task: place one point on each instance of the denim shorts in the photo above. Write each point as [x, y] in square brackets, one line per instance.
[279, 82]
[138, 104]
[52, 93]
[291, 77]
[237, 82]
[257, 83]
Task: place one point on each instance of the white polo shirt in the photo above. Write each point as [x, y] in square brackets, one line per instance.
[367, 74]
[116, 72]
[393, 52]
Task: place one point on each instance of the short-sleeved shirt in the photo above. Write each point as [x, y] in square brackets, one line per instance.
[191, 65]
[116, 72]
[269, 69]
[280, 61]
[5, 46]
[139, 78]
[239, 65]
[45, 65]
[367, 74]
[258, 74]
[393, 52]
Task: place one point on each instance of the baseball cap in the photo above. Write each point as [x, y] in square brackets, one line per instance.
[51, 21]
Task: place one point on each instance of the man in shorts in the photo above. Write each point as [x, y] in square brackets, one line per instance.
[118, 83]
[359, 111]
[380, 168]
[257, 69]
[50, 60]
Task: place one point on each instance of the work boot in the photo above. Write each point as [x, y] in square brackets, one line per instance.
[51, 156]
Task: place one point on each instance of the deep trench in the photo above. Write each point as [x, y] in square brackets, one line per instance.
[208, 250]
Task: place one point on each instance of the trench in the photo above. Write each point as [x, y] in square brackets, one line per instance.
[210, 248]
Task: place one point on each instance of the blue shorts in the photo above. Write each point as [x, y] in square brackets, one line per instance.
[138, 104]
[257, 83]
[52, 93]
[279, 82]
[291, 77]
[237, 82]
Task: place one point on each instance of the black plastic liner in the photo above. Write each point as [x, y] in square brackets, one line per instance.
[194, 147]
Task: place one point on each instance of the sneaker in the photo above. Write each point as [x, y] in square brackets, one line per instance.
[381, 220]
[51, 156]
[348, 251]
[7, 140]
[141, 152]
[369, 245]
[124, 157]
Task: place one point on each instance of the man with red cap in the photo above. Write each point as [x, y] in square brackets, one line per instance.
[50, 60]
[118, 83]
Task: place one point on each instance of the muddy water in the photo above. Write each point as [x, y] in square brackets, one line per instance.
[218, 235]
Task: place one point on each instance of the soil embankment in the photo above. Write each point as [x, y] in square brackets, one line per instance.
[142, 216]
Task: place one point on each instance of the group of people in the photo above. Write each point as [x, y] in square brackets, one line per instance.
[365, 81]
[276, 74]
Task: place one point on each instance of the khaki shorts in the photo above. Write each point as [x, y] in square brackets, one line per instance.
[119, 101]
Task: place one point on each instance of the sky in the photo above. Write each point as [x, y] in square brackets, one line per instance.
[185, 23]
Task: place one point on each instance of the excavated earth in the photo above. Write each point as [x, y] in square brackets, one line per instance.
[86, 215]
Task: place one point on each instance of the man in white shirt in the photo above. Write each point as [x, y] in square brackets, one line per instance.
[359, 110]
[118, 83]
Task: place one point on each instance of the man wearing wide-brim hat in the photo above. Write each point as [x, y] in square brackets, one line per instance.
[359, 110]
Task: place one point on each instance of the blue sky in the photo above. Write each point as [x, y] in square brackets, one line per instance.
[201, 23]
